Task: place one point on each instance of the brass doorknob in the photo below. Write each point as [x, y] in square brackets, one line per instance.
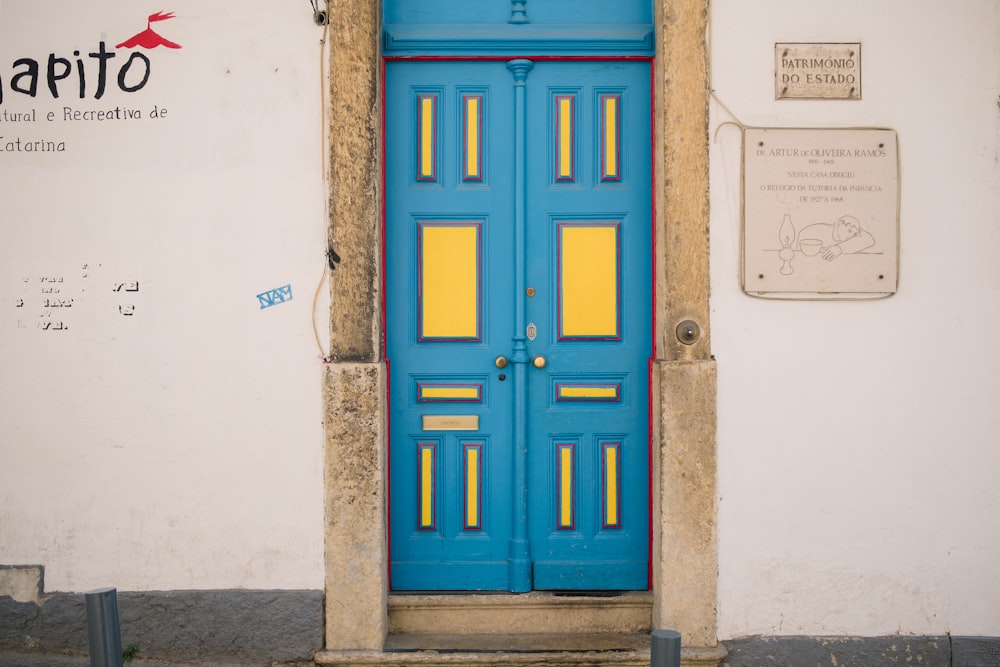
[538, 362]
[501, 361]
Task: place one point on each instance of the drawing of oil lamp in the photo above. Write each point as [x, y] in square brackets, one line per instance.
[786, 234]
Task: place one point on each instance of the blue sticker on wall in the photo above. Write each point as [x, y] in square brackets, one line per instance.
[275, 296]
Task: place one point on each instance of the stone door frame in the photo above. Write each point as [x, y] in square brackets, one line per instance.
[684, 555]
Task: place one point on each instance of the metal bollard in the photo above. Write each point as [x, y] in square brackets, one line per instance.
[103, 628]
[665, 650]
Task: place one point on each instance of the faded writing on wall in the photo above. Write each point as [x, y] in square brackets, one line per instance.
[61, 301]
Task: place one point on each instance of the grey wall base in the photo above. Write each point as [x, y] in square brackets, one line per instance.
[246, 627]
[937, 651]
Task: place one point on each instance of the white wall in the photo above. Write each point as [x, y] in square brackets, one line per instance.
[179, 446]
[858, 452]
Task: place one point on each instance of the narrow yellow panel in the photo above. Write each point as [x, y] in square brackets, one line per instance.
[588, 392]
[472, 137]
[566, 487]
[472, 487]
[449, 289]
[426, 137]
[611, 137]
[565, 168]
[611, 486]
[589, 281]
[463, 393]
[426, 487]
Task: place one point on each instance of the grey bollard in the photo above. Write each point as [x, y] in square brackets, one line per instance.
[103, 631]
[666, 649]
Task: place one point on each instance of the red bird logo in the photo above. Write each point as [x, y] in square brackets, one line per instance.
[149, 38]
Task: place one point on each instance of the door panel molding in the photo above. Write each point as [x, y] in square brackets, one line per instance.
[447, 39]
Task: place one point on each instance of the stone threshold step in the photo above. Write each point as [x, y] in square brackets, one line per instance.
[523, 650]
[529, 613]
[519, 643]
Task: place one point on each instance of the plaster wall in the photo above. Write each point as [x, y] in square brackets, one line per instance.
[159, 429]
[857, 439]
[182, 447]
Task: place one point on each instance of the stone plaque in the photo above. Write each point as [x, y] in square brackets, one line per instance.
[820, 213]
[817, 71]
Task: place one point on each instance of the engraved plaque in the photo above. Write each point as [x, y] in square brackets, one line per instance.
[450, 422]
[820, 212]
[817, 71]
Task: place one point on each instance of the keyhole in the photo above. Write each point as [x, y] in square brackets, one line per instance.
[502, 377]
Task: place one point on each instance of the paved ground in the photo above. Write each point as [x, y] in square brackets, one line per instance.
[27, 659]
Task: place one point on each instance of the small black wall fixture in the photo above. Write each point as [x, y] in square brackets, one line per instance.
[320, 16]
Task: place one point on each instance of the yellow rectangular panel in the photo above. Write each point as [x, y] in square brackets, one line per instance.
[564, 169]
[449, 281]
[450, 393]
[588, 281]
[450, 422]
[472, 137]
[594, 392]
[611, 486]
[426, 487]
[565, 486]
[472, 487]
[611, 140]
[427, 123]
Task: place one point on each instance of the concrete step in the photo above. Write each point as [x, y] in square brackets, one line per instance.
[530, 613]
[527, 630]
[522, 650]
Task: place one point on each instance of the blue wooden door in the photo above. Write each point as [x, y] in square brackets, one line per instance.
[518, 333]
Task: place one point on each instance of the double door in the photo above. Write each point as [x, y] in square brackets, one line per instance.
[518, 334]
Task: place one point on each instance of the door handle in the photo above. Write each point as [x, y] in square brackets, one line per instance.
[538, 362]
[501, 361]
